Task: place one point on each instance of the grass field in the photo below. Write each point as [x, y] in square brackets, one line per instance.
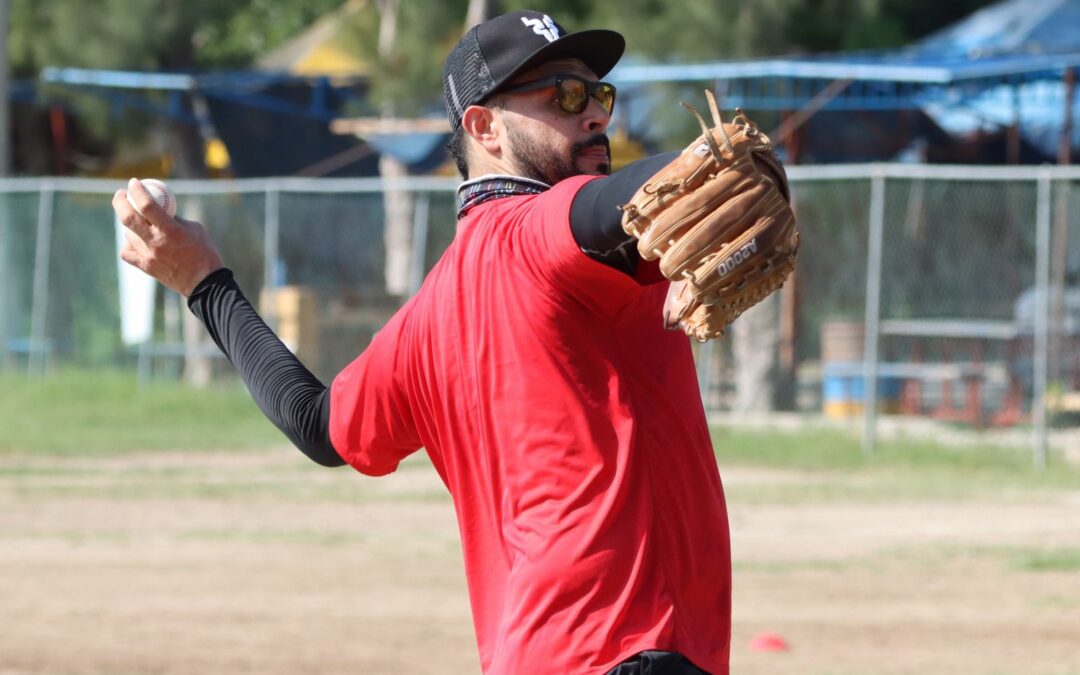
[164, 530]
[108, 413]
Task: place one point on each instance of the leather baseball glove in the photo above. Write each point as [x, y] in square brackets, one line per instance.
[719, 219]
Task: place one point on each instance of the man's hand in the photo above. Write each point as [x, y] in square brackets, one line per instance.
[179, 253]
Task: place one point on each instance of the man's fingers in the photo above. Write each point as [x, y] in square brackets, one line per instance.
[131, 256]
[129, 216]
[144, 202]
[134, 251]
[178, 253]
[148, 208]
[132, 241]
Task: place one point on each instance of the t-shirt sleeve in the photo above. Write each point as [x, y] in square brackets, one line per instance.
[557, 259]
[596, 216]
[371, 421]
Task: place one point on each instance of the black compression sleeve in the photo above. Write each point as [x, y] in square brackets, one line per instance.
[287, 393]
[596, 220]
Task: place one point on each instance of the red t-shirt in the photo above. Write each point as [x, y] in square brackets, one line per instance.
[568, 426]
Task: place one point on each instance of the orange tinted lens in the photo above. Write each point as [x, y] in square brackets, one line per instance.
[605, 95]
[573, 95]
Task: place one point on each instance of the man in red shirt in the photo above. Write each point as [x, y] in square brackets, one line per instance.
[533, 367]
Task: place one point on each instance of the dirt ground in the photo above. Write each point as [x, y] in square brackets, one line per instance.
[261, 563]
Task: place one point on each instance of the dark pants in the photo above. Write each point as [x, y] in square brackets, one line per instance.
[656, 663]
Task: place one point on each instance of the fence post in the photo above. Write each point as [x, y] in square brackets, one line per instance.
[1042, 319]
[873, 307]
[7, 279]
[271, 236]
[40, 302]
[418, 256]
[704, 373]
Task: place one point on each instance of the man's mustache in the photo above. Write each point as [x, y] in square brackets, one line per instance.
[598, 139]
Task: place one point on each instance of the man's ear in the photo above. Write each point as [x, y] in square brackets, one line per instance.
[485, 127]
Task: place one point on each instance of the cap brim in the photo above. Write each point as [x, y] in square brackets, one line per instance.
[598, 49]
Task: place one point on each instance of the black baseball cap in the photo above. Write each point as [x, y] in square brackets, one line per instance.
[496, 51]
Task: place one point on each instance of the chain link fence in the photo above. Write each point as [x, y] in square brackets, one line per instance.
[950, 293]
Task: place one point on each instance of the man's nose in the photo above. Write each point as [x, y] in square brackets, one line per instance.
[595, 119]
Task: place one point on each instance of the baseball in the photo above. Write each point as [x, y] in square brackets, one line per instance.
[161, 194]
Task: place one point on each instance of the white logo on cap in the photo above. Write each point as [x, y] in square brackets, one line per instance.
[544, 27]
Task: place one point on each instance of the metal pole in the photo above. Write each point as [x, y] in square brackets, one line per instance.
[418, 255]
[271, 237]
[271, 242]
[705, 368]
[1012, 137]
[1042, 319]
[5, 85]
[873, 308]
[1065, 140]
[1059, 248]
[7, 282]
[40, 302]
[144, 365]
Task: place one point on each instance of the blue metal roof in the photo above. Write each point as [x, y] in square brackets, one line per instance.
[243, 87]
[233, 80]
[1001, 64]
[1007, 45]
[885, 80]
[1011, 27]
[896, 66]
[119, 79]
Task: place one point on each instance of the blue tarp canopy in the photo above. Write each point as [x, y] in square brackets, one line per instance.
[1003, 65]
[1011, 43]
[1012, 27]
[272, 123]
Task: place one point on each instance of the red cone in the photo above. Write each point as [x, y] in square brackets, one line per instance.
[768, 642]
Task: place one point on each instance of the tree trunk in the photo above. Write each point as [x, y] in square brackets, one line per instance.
[198, 367]
[397, 232]
[186, 149]
[5, 101]
[8, 283]
[478, 12]
[9, 286]
[397, 204]
[185, 146]
[755, 336]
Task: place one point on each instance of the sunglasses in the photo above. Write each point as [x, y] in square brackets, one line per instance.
[571, 92]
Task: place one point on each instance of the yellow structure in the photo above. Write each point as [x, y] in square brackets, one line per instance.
[321, 49]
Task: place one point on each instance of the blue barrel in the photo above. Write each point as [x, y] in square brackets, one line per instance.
[843, 390]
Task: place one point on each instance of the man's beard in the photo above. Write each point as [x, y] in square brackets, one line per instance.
[541, 164]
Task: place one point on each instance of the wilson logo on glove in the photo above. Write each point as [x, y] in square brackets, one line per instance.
[737, 258]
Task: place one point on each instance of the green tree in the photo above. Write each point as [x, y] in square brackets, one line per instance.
[207, 34]
[152, 34]
[725, 29]
[407, 73]
[837, 25]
